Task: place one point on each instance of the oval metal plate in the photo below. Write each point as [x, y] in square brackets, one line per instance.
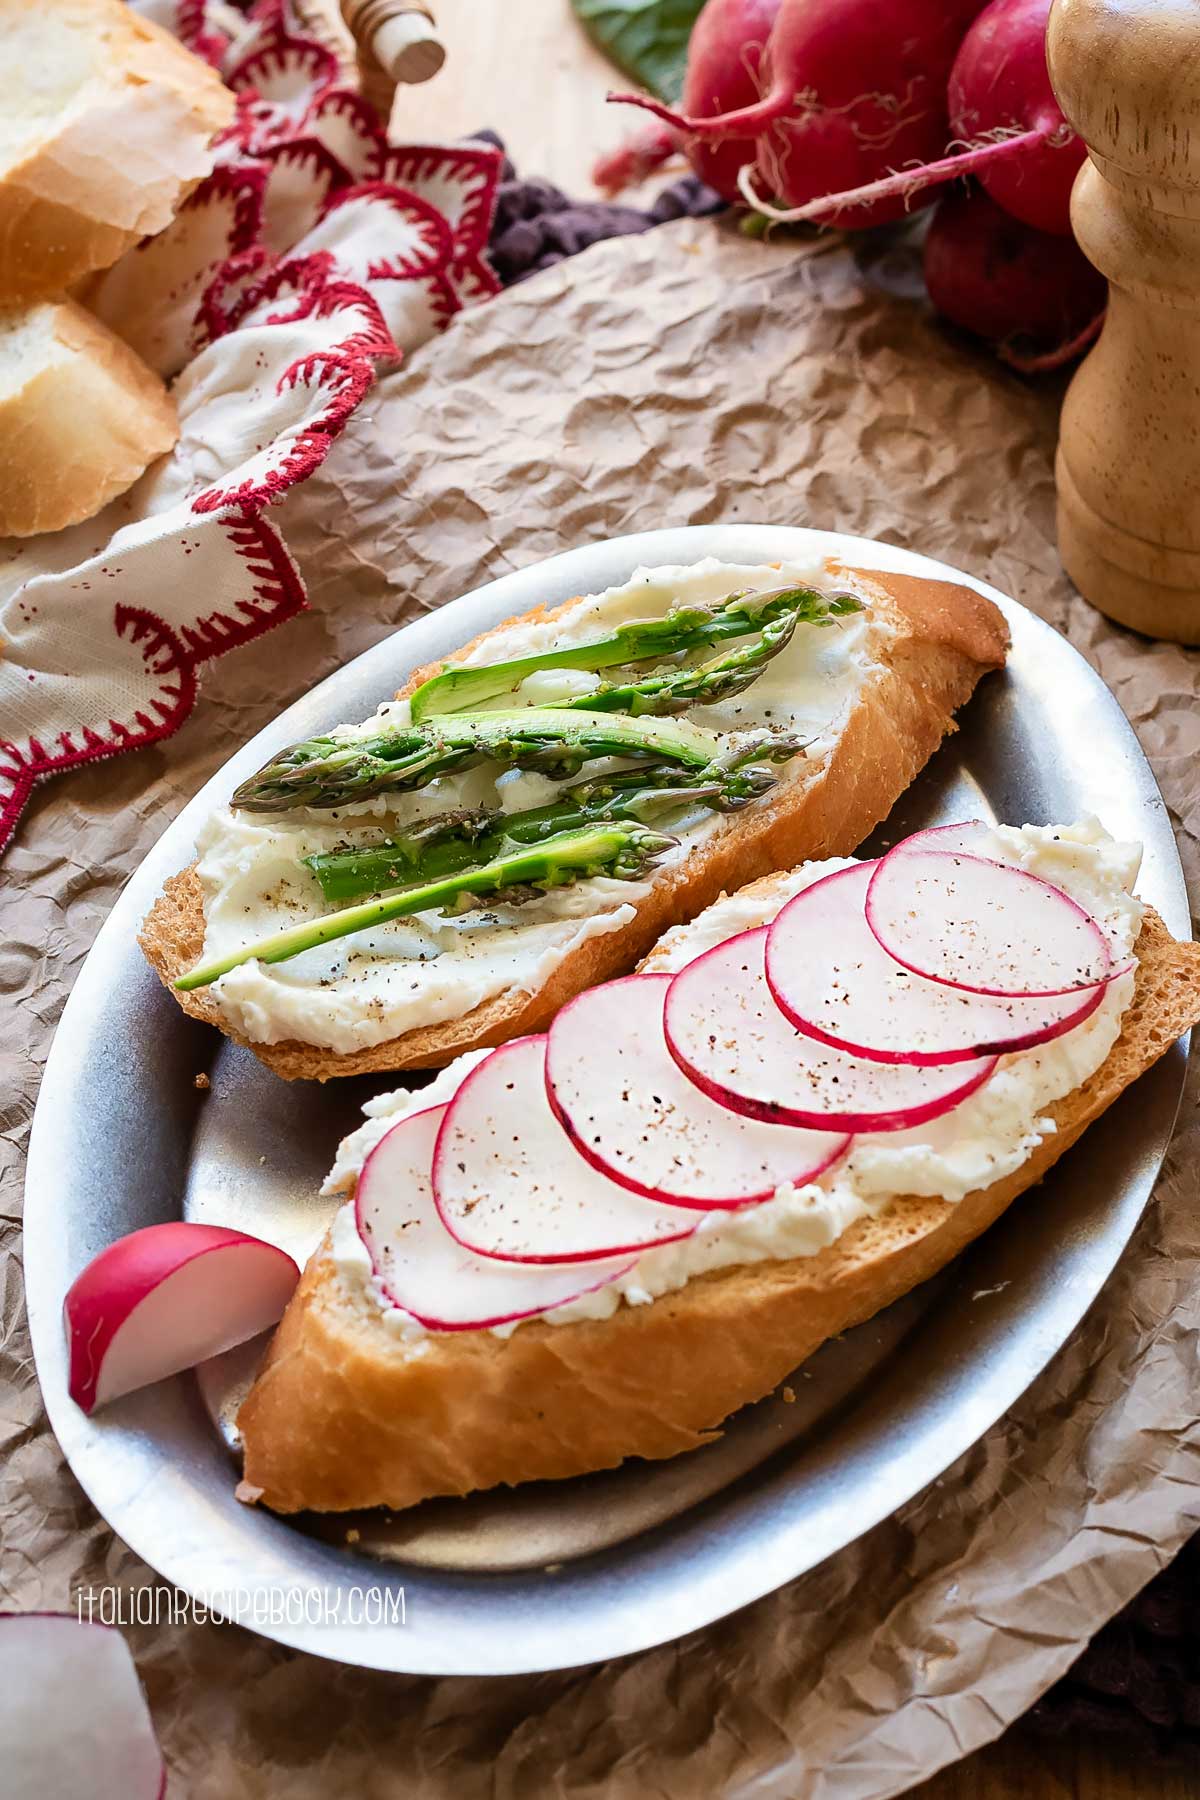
[554, 1575]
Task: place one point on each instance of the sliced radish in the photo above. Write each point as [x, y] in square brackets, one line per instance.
[833, 979]
[165, 1298]
[423, 1270]
[630, 1110]
[983, 926]
[509, 1184]
[73, 1717]
[725, 1031]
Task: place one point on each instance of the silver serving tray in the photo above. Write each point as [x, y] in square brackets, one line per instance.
[558, 1574]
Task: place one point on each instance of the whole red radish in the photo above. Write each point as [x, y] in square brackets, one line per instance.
[848, 89]
[1000, 81]
[995, 276]
[725, 51]
[1002, 109]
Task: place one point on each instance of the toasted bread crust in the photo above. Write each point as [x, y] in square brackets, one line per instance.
[946, 638]
[344, 1415]
[81, 427]
[78, 199]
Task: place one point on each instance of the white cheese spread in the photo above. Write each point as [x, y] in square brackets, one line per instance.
[418, 971]
[981, 1141]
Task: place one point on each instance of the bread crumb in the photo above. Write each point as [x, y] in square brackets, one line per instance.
[789, 1396]
[202, 1082]
[353, 1535]
[247, 1493]
[553, 1569]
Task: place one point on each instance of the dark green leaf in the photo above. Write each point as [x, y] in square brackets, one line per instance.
[647, 39]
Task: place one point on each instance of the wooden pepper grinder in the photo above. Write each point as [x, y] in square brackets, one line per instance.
[1127, 76]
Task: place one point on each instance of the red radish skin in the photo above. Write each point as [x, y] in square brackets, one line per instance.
[73, 1717]
[1000, 81]
[1003, 110]
[634, 1115]
[423, 1270]
[725, 52]
[982, 927]
[1004, 281]
[166, 1298]
[831, 977]
[728, 1036]
[848, 89]
[508, 1182]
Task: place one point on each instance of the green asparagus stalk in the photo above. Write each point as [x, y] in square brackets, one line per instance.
[448, 842]
[328, 772]
[684, 628]
[674, 690]
[620, 849]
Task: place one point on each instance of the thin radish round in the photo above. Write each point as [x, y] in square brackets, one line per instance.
[728, 1036]
[983, 927]
[973, 837]
[632, 1112]
[508, 1183]
[419, 1265]
[833, 979]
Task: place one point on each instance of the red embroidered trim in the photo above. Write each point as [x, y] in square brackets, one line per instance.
[191, 22]
[276, 594]
[286, 87]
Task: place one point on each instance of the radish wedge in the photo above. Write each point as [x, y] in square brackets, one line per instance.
[631, 1111]
[981, 926]
[833, 979]
[726, 1033]
[419, 1265]
[508, 1183]
[73, 1717]
[166, 1298]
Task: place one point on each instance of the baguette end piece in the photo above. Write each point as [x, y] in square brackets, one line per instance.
[81, 417]
[99, 147]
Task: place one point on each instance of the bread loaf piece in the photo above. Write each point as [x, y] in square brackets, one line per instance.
[80, 417]
[106, 126]
[348, 1414]
[942, 638]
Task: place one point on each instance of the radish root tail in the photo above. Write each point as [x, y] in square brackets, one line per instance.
[747, 121]
[1054, 359]
[903, 182]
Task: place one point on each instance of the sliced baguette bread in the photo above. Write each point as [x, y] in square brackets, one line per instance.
[106, 127]
[81, 416]
[346, 1414]
[944, 637]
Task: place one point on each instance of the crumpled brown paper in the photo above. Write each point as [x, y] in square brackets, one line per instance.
[683, 377]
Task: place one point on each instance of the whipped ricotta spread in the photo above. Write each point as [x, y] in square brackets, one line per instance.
[421, 970]
[982, 1140]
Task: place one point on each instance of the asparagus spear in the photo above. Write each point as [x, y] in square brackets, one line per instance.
[674, 690]
[623, 850]
[331, 771]
[448, 842]
[642, 640]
